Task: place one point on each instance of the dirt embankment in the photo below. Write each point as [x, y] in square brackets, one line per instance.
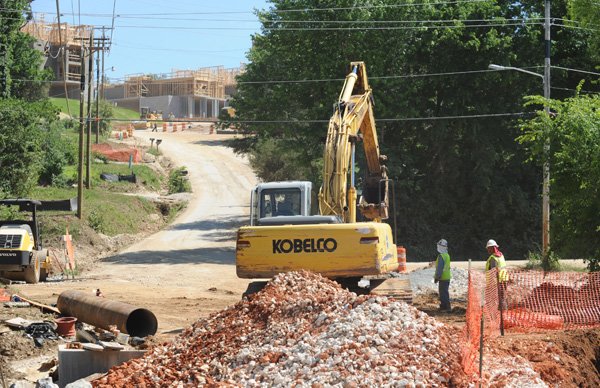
[564, 359]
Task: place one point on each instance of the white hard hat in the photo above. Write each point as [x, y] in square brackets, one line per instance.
[491, 243]
[443, 243]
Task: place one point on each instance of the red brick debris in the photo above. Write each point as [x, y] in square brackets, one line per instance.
[303, 329]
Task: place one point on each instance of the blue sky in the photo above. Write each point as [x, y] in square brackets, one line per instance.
[156, 36]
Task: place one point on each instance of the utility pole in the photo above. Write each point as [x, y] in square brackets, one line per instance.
[81, 126]
[99, 87]
[546, 166]
[89, 112]
[98, 94]
[103, 46]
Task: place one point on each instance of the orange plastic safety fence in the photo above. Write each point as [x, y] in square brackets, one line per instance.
[119, 155]
[472, 329]
[553, 300]
[530, 300]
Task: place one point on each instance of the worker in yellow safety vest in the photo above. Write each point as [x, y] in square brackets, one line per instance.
[443, 275]
[496, 260]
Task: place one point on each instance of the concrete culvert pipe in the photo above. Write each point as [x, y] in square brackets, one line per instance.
[102, 312]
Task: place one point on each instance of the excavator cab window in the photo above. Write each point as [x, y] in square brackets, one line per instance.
[280, 202]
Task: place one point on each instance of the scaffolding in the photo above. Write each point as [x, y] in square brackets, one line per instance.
[71, 37]
[206, 81]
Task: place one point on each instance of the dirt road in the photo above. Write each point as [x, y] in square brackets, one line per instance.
[188, 270]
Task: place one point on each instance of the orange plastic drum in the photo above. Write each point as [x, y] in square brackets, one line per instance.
[401, 259]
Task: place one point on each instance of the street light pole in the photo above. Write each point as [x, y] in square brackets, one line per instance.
[546, 164]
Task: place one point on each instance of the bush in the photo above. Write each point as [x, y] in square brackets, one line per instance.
[96, 221]
[178, 181]
[62, 181]
[106, 110]
[534, 261]
[58, 152]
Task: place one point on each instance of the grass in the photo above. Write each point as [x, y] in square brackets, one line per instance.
[556, 264]
[119, 113]
[106, 212]
[145, 176]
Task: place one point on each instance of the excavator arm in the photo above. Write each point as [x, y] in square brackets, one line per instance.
[353, 119]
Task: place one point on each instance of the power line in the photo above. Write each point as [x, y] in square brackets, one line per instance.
[432, 21]
[401, 5]
[398, 119]
[374, 78]
[575, 70]
[575, 90]
[176, 50]
[378, 6]
[577, 28]
[112, 27]
[282, 21]
[423, 27]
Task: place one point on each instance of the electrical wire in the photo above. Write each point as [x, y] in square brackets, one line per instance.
[575, 90]
[401, 5]
[373, 78]
[398, 119]
[575, 70]
[112, 28]
[176, 50]
[575, 27]
[359, 29]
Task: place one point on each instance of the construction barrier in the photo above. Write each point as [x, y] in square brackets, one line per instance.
[530, 300]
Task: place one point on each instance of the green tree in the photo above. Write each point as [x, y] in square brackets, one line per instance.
[573, 131]
[587, 12]
[106, 111]
[13, 14]
[28, 81]
[462, 179]
[21, 139]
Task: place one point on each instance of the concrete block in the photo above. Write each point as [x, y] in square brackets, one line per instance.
[74, 364]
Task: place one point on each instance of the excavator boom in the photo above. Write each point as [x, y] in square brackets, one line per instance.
[353, 119]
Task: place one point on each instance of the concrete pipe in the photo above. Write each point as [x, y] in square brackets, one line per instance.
[102, 313]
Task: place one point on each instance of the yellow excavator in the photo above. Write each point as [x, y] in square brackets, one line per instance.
[283, 236]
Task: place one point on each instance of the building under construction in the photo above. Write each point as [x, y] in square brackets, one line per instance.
[185, 94]
[66, 66]
[189, 94]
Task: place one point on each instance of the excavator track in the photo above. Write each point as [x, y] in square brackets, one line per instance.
[396, 288]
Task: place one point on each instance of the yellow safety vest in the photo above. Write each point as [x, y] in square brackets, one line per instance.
[500, 264]
[446, 274]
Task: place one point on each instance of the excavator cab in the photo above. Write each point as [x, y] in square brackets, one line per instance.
[285, 203]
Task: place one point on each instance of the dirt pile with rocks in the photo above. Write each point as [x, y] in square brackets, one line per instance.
[304, 329]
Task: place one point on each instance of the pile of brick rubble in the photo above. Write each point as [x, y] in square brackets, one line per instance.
[305, 330]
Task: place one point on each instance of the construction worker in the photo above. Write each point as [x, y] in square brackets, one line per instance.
[443, 275]
[496, 260]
